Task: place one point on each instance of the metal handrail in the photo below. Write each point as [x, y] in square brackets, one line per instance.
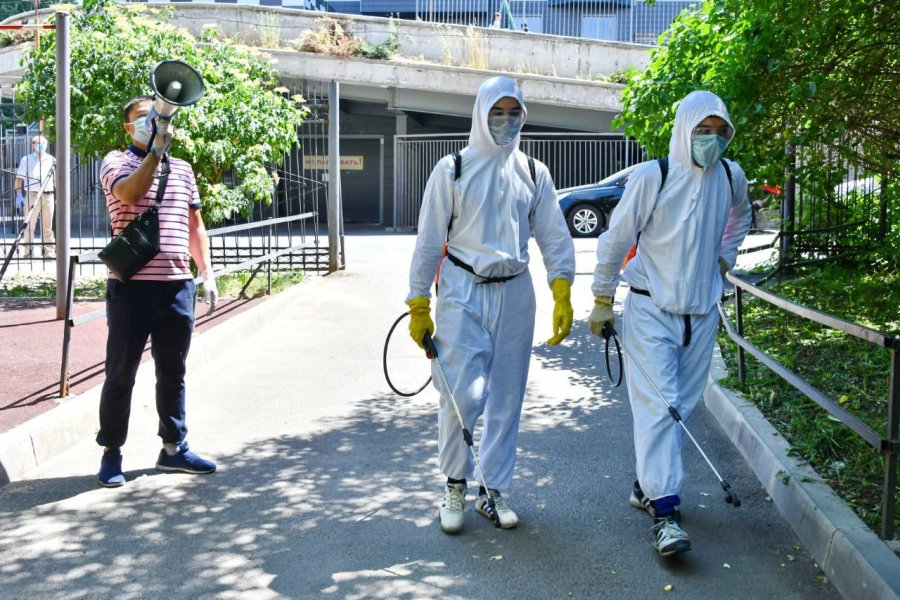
[888, 444]
[267, 222]
[92, 257]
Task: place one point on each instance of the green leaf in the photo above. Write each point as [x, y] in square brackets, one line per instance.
[240, 122]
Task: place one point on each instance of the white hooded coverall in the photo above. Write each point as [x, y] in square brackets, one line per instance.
[684, 229]
[484, 331]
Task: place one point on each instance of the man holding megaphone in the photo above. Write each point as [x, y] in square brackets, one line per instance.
[156, 301]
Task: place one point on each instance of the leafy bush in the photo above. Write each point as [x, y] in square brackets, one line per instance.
[242, 124]
[816, 76]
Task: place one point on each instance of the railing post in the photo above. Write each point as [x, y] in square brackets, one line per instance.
[890, 453]
[269, 262]
[63, 171]
[67, 329]
[334, 177]
[739, 317]
[788, 204]
[883, 213]
[631, 19]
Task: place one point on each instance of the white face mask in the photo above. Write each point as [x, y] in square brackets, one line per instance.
[141, 131]
[504, 128]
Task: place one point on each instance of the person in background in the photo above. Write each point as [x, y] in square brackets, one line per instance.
[34, 183]
[157, 302]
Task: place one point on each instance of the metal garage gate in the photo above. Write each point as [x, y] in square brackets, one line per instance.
[573, 159]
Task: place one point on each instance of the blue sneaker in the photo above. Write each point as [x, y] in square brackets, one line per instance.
[110, 474]
[183, 461]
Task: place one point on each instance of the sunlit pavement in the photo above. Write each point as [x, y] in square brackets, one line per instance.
[328, 485]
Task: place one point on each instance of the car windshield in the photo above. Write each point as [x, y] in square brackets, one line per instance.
[617, 175]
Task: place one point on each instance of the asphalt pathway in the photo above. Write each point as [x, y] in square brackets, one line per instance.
[328, 484]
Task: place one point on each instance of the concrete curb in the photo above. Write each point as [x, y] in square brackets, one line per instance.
[25, 447]
[858, 563]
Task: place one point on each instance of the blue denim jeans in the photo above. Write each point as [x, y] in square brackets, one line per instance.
[162, 311]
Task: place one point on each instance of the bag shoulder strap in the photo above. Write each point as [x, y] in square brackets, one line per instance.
[164, 171]
[457, 171]
[664, 171]
[457, 167]
[728, 173]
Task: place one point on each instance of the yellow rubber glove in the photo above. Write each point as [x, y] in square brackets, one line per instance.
[562, 310]
[723, 267]
[601, 314]
[420, 320]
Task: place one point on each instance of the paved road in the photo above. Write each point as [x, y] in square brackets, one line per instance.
[328, 485]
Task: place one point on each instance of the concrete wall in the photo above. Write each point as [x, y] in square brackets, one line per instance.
[451, 45]
[553, 72]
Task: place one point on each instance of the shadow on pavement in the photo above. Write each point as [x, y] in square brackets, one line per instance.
[351, 512]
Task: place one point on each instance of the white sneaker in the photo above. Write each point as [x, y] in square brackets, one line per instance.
[639, 500]
[453, 507]
[670, 537]
[508, 518]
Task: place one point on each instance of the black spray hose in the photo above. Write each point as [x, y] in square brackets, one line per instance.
[384, 365]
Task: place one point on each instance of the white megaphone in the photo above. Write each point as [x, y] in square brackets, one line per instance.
[175, 84]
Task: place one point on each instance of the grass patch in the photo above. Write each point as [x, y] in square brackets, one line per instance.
[852, 372]
[44, 286]
[332, 38]
[94, 287]
[230, 285]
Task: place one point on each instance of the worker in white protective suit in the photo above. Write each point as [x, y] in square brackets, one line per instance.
[690, 229]
[486, 203]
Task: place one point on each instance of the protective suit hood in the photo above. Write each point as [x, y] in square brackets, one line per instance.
[490, 91]
[695, 107]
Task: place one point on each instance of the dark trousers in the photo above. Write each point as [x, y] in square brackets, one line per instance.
[164, 312]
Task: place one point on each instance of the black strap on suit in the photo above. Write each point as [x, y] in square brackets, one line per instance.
[686, 339]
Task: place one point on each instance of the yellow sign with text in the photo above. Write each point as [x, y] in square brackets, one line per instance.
[348, 163]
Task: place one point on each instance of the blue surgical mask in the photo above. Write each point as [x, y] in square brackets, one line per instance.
[141, 131]
[504, 128]
[40, 148]
[707, 149]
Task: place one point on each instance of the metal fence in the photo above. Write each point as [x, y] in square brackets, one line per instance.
[300, 188]
[834, 220]
[633, 21]
[573, 159]
[886, 442]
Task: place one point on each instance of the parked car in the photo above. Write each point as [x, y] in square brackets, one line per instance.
[587, 207]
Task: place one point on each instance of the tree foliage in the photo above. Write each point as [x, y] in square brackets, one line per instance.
[11, 8]
[819, 75]
[242, 123]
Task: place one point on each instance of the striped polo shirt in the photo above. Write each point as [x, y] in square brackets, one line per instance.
[173, 261]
